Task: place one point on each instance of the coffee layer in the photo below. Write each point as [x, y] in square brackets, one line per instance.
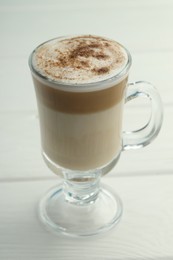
[81, 59]
[79, 102]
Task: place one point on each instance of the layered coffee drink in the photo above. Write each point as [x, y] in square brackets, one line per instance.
[80, 101]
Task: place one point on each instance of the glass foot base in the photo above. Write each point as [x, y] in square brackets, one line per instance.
[63, 217]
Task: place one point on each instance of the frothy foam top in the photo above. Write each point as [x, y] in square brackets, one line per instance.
[81, 59]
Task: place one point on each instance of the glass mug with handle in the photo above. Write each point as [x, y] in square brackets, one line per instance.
[81, 86]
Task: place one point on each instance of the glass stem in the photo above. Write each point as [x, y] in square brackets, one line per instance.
[81, 190]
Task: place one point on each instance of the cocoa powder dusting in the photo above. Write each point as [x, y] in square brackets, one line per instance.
[86, 56]
[85, 50]
[101, 70]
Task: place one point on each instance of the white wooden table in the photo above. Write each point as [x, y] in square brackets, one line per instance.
[143, 178]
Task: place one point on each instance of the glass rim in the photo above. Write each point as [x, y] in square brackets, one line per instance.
[81, 87]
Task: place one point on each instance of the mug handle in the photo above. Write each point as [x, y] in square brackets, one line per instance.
[143, 136]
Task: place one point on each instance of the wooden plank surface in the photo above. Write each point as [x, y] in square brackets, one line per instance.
[140, 25]
[145, 231]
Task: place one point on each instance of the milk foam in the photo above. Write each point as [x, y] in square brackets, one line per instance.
[81, 59]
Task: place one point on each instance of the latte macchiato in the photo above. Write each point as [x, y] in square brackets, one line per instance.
[81, 88]
[80, 109]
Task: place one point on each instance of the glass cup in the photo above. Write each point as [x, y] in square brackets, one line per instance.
[82, 139]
